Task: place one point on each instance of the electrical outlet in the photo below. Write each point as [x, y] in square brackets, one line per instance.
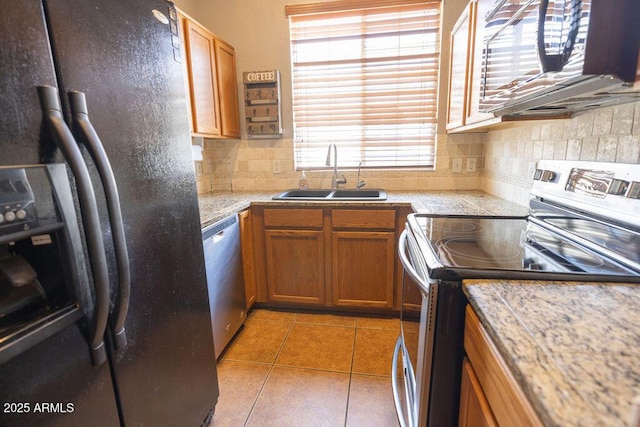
[531, 171]
[471, 164]
[277, 167]
[456, 165]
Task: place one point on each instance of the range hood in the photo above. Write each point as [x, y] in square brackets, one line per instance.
[585, 94]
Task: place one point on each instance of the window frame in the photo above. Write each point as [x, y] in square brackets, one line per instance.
[424, 115]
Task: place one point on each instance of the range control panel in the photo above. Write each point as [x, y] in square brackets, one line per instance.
[607, 190]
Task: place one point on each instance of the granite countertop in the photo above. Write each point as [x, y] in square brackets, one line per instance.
[573, 347]
[217, 206]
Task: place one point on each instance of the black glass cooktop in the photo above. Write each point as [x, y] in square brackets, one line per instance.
[471, 244]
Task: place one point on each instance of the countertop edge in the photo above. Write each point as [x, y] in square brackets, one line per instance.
[217, 206]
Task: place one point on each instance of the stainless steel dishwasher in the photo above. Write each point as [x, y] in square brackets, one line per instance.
[225, 280]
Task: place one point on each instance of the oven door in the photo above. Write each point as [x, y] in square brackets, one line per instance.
[413, 353]
[530, 47]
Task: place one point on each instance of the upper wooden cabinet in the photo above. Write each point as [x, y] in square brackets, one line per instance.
[458, 73]
[465, 69]
[203, 83]
[465, 74]
[212, 86]
[227, 88]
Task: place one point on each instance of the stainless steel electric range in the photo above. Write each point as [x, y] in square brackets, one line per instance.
[583, 225]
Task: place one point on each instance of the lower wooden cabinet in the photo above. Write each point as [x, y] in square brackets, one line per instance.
[246, 244]
[327, 256]
[295, 266]
[495, 383]
[363, 268]
[474, 408]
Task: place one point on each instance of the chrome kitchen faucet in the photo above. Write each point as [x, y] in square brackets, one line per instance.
[335, 181]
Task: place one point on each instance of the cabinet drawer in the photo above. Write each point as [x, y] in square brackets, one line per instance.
[508, 402]
[295, 218]
[364, 218]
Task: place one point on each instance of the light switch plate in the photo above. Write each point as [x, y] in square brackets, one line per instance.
[456, 165]
[277, 167]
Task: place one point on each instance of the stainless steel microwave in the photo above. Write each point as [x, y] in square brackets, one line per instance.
[546, 57]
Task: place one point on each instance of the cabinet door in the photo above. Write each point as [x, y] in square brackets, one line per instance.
[459, 55]
[363, 268]
[508, 403]
[295, 266]
[202, 80]
[246, 242]
[182, 30]
[474, 408]
[227, 89]
[474, 78]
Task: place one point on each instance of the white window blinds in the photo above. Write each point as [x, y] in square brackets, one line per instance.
[364, 77]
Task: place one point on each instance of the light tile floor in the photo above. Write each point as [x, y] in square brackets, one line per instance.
[301, 369]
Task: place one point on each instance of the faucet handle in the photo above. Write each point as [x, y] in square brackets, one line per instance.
[359, 184]
[341, 180]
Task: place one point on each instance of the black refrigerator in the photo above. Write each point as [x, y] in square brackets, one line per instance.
[116, 329]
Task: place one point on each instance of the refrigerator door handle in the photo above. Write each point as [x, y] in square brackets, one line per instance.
[52, 114]
[90, 138]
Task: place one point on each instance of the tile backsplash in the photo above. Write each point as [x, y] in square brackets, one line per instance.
[269, 165]
[503, 158]
[609, 134]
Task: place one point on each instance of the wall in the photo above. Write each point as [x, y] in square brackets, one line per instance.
[187, 6]
[259, 32]
[605, 135]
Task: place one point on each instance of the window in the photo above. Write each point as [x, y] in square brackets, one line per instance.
[365, 77]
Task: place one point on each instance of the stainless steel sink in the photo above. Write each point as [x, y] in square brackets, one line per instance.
[359, 195]
[332, 195]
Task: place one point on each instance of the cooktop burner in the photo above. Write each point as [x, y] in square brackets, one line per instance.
[461, 225]
[462, 251]
[471, 245]
[583, 224]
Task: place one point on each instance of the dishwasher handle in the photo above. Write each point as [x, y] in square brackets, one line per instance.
[217, 237]
[216, 231]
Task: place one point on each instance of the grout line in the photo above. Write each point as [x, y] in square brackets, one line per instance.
[270, 370]
[353, 355]
[355, 327]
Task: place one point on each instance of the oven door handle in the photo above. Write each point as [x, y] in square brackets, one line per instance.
[402, 253]
[394, 385]
[558, 61]
[409, 372]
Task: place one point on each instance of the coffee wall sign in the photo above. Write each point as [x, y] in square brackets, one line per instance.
[262, 104]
